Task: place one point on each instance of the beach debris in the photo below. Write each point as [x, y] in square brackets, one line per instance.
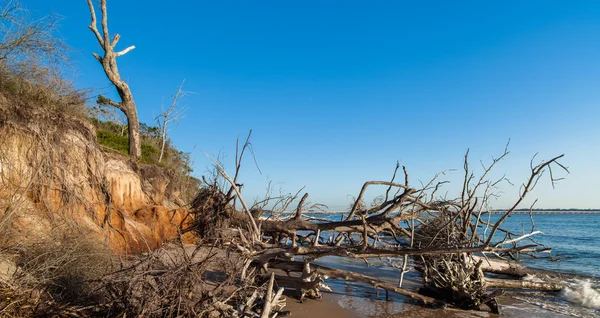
[453, 243]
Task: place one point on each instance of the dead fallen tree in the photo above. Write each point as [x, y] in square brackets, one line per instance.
[308, 269]
[523, 284]
[451, 241]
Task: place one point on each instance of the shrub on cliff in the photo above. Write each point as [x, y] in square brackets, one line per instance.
[32, 60]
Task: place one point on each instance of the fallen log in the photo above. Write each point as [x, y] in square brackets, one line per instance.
[292, 225]
[523, 284]
[514, 269]
[270, 300]
[310, 289]
[354, 251]
[295, 266]
[497, 266]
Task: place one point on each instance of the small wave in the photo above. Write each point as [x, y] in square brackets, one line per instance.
[533, 278]
[582, 294]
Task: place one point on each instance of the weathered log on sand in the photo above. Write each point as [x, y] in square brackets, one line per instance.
[497, 266]
[270, 300]
[510, 268]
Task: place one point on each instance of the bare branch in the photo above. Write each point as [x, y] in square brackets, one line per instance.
[125, 51]
[223, 173]
[299, 208]
[106, 38]
[535, 175]
[93, 26]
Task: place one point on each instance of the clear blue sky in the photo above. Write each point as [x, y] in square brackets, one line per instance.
[337, 91]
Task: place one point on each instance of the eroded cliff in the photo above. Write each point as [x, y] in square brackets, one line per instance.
[53, 173]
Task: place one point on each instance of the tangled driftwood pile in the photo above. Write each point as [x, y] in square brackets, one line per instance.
[452, 242]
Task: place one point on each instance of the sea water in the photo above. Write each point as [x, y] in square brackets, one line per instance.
[573, 238]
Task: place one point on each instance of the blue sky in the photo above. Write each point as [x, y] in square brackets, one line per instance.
[337, 91]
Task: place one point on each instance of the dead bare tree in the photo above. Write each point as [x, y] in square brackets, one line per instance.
[109, 64]
[173, 114]
[451, 241]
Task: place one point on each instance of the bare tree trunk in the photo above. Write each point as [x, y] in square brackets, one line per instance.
[109, 64]
[135, 143]
[164, 139]
[174, 113]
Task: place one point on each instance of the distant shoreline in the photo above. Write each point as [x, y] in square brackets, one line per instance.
[550, 211]
[517, 211]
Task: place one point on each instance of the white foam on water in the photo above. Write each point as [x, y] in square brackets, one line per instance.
[583, 294]
[533, 278]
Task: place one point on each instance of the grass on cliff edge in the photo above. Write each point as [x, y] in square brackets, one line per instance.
[120, 144]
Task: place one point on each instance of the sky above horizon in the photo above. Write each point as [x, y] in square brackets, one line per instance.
[337, 91]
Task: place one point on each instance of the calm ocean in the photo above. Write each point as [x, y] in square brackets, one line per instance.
[574, 239]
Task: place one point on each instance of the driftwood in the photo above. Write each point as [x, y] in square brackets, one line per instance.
[523, 284]
[325, 271]
[270, 300]
[453, 242]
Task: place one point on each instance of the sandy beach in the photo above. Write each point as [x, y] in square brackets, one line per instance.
[336, 304]
[313, 308]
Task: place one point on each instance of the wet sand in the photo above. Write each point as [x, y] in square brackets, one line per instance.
[330, 306]
[334, 305]
[311, 308]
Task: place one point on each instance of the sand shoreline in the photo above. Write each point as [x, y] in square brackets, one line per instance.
[314, 308]
[331, 306]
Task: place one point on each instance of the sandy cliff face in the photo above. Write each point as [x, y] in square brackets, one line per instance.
[55, 175]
